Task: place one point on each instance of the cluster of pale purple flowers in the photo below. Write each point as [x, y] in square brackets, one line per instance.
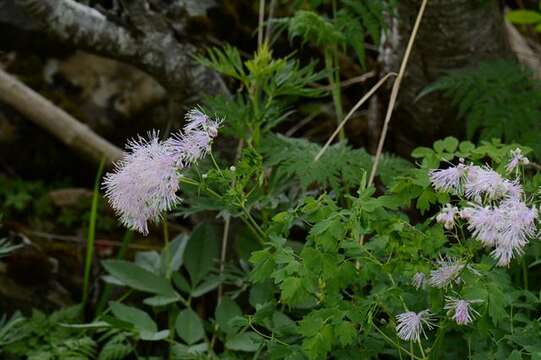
[145, 182]
[496, 213]
[410, 325]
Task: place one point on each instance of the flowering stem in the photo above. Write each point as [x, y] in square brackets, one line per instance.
[223, 255]
[421, 348]
[166, 248]
[215, 164]
[525, 274]
[334, 82]
[398, 346]
[252, 224]
[247, 218]
[92, 233]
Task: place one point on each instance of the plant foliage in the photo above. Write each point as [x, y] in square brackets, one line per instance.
[497, 99]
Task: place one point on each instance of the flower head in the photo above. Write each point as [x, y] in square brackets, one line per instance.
[483, 222]
[516, 159]
[516, 227]
[410, 324]
[485, 181]
[143, 184]
[448, 271]
[195, 140]
[506, 227]
[450, 179]
[418, 280]
[461, 311]
[447, 216]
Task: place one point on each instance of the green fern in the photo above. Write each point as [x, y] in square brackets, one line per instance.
[312, 27]
[226, 61]
[496, 99]
[348, 27]
[370, 14]
[11, 329]
[337, 166]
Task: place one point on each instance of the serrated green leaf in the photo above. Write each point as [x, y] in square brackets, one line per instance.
[345, 332]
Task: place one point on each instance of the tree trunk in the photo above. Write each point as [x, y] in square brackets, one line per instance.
[453, 34]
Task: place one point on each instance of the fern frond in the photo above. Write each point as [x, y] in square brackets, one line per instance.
[497, 99]
[370, 15]
[339, 165]
[10, 329]
[353, 32]
[314, 28]
[226, 60]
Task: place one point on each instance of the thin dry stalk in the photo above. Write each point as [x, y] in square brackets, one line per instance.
[260, 24]
[269, 23]
[351, 112]
[349, 82]
[394, 91]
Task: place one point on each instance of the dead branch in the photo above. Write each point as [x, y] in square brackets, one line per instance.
[524, 52]
[55, 120]
[152, 46]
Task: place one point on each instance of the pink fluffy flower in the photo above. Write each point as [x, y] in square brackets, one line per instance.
[195, 140]
[461, 311]
[448, 271]
[483, 181]
[450, 179]
[516, 159]
[484, 223]
[144, 183]
[517, 227]
[447, 216]
[506, 227]
[418, 280]
[410, 324]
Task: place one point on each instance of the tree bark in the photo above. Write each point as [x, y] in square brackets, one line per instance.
[453, 34]
[149, 43]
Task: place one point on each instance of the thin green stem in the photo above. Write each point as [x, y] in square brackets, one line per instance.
[92, 232]
[247, 218]
[334, 83]
[421, 349]
[108, 289]
[254, 224]
[525, 274]
[215, 164]
[223, 255]
[166, 248]
[398, 346]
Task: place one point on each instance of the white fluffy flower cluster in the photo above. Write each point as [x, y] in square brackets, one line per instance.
[144, 183]
[496, 214]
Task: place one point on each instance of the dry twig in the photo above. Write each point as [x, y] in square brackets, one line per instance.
[55, 120]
